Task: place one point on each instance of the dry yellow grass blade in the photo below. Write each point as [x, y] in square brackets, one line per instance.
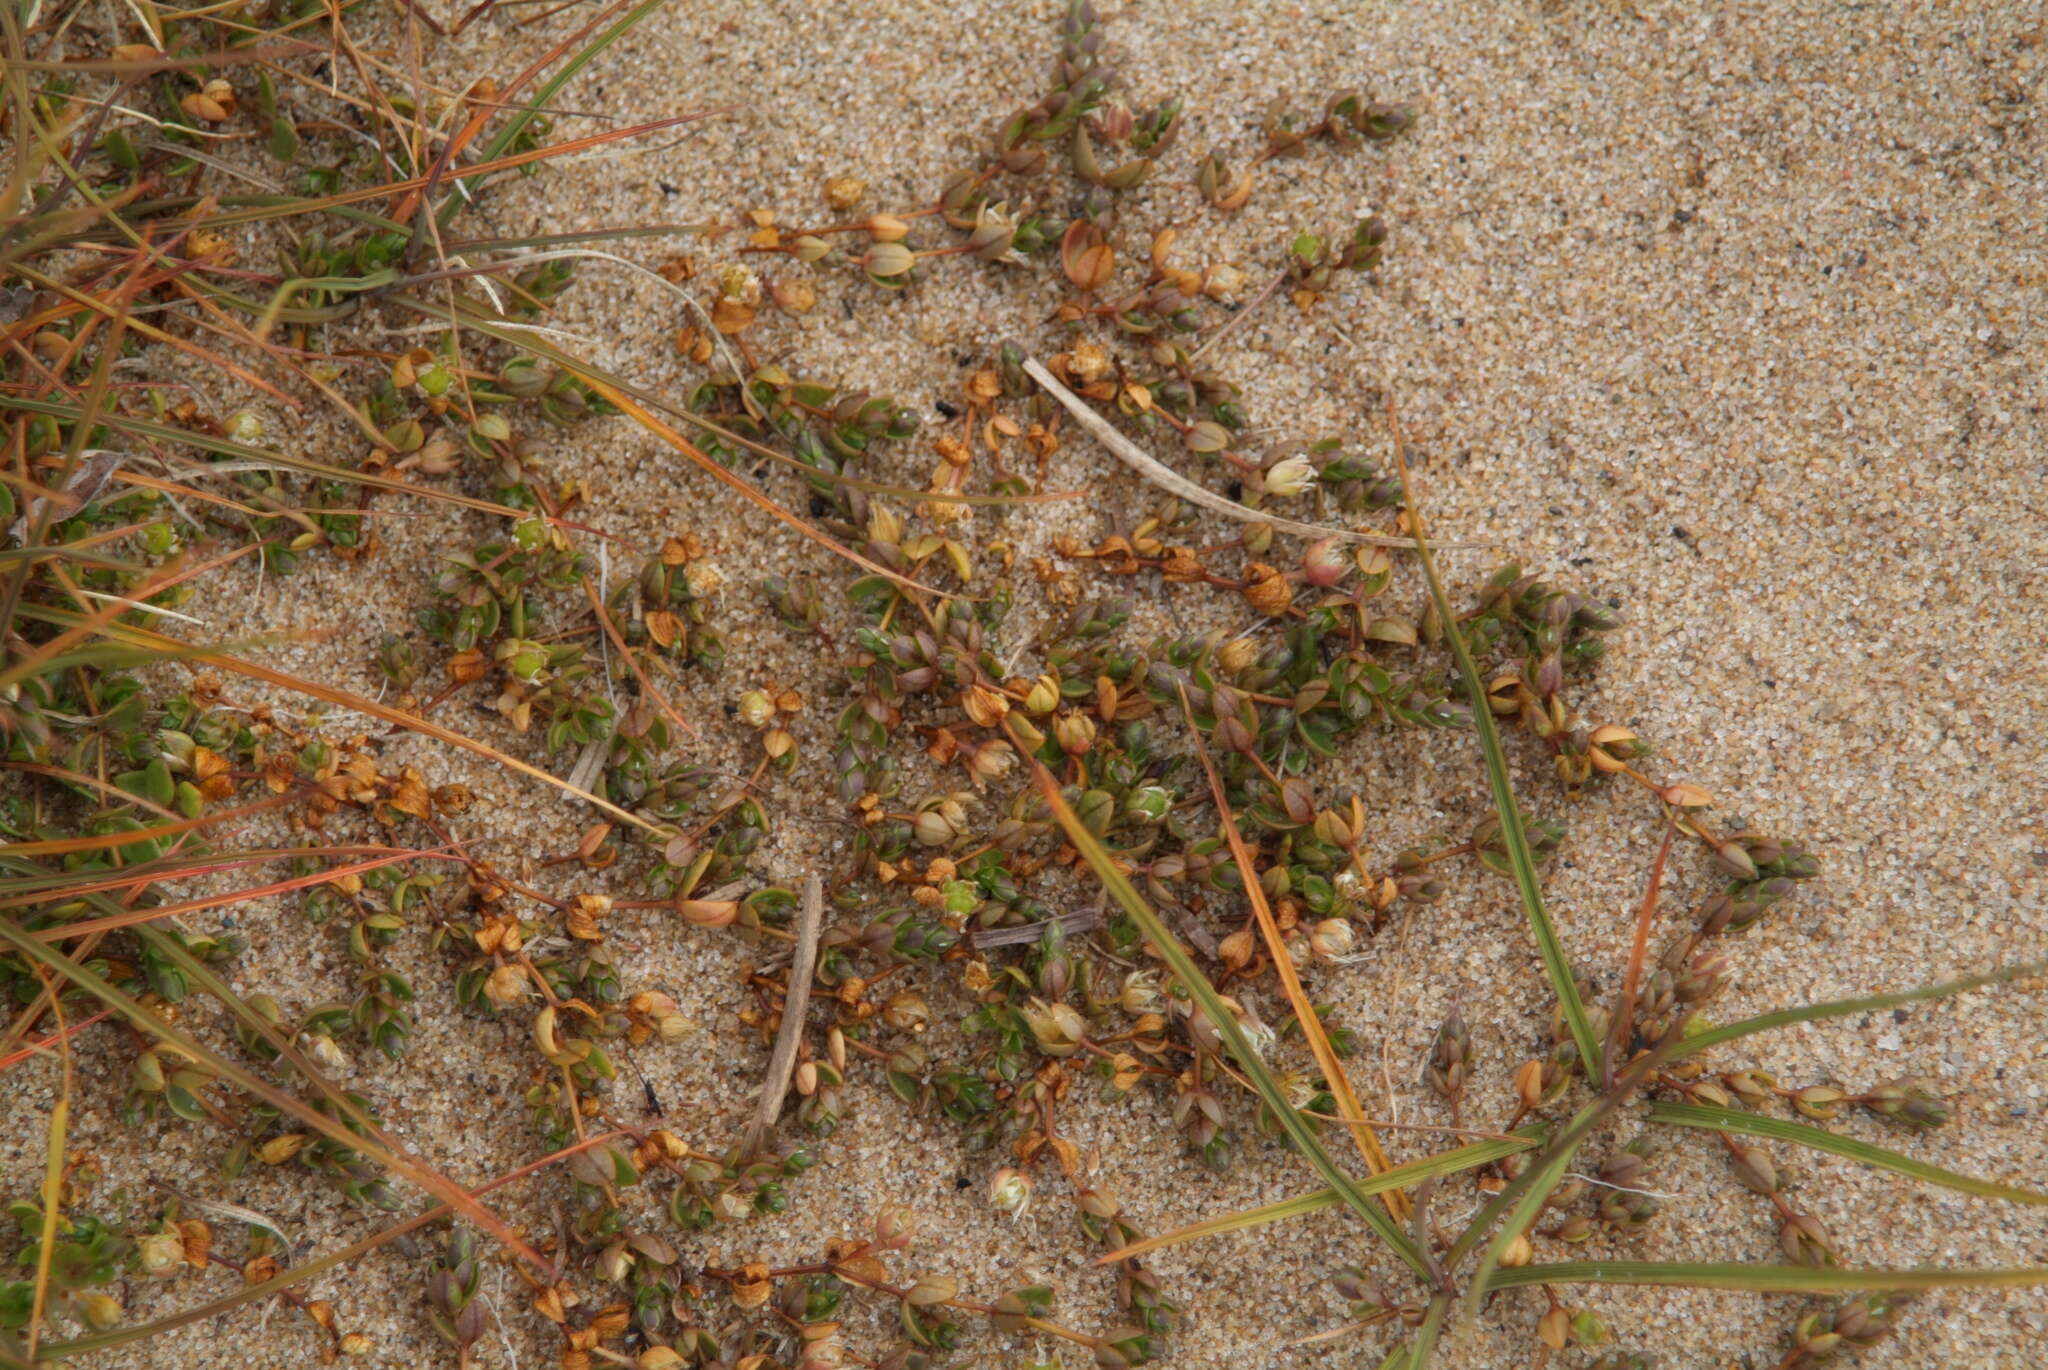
[1396, 1200]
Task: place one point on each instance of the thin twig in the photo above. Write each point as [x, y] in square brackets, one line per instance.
[1625, 1011]
[1251, 307]
[1082, 921]
[810, 915]
[1166, 478]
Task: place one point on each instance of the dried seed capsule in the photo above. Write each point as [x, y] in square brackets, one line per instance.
[1754, 1170]
[1907, 1101]
[1450, 1056]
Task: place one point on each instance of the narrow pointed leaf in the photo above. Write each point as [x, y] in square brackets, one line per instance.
[1820, 1139]
[1401, 1176]
[1521, 861]
[1761, 1279]
[1841, 1008]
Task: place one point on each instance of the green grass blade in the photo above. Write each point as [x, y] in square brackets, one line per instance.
[1424, 1345]
[1839, 1008]
[1513, 836]
[1820, 1139]
[1762, 1279]
[1399, 1177]
[1189, 974]
[1523, 1199]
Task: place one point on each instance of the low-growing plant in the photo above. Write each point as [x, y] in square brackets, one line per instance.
[982, 760]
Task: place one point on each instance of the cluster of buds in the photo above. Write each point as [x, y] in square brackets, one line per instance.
[1549, 628]
[1369, 1303]
[1762, 871]
[1910, 1101]
[1623, 1201]
[1450, 1059]
[1073, 111]
[1348, 118]
[1313, 261]
[1853, 1325]
[452, 1285]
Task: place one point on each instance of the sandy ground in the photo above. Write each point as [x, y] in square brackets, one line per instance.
[1734, 315]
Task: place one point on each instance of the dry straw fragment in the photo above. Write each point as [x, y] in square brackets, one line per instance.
[1174, 483]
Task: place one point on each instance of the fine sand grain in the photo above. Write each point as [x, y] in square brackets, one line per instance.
[1732, 313]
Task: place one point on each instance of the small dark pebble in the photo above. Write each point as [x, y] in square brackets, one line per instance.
[947, 409]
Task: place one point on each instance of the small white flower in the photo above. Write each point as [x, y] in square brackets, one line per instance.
[1294, 476]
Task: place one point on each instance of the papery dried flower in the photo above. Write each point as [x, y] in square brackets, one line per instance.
[1057, 1028]
[1141, 994]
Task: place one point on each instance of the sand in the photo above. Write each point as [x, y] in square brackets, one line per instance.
[1734, 315]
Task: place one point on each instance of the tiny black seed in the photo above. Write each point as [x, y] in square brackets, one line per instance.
[1678, 531]
[666, 188]
[947, 408]
[961, 1182]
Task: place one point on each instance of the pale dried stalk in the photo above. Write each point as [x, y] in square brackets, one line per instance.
[1166, 478]
[780, 1065]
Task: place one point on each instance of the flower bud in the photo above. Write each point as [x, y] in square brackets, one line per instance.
[1907, 1101]
[1044, 696]
[1754, 1170]
[709, 913]
[1324, 564]
[907, 1012]
[1450, 1056]
[1148, 803]
[991, 760]
[1821, 1102]
[985, 705]
[1075, 733]
[890, 259]
[755, 709]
